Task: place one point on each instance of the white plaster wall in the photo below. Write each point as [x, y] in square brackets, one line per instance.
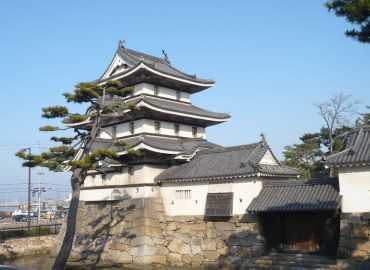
[146, 88]
[142, 174]
[110, 194]
[354, 185]
[146, 125]
[244, 191]
[268, 159]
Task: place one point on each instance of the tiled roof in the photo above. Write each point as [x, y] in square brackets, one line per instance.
[178, 107]
[184, 146]
[159, 64]
[356, 152]
[226, 163]
[296, 195]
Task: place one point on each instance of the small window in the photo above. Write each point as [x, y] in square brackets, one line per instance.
[132, 127]
[194, 131]
[156, 91]
[157, 126]
[183, 194]
[177, 129]
[178, 95]
[219, 204]
[130, 172]
[104, 176]
[114, 131]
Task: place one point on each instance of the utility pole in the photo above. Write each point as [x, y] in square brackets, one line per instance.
[29, 193]
[41, 173]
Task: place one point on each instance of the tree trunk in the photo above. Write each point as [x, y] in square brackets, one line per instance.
[65, 250]
[331, 171]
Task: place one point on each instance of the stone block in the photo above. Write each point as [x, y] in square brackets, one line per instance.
[195, 249]
[186, 259]
[211, 255]
[244, 252]
[179, 247]
[124, 258]
[345, 228]
[224, 226]
[233, 241]
[257, 251]
[211, 233]
[223, 251]
[174, 259]
[199, 226]
[198, 258]
[185, 228]
[359, 255]
[241, 232]
[354, 218]
[182, 237]
[171, 226]
[145, 222]
[195, 240]
[141, 240]
[248, 241]
[346, 264]
[249, 218]
[359, 230]
[147, 230]
[220, 244]
[161, 251]
[211, 245]
[211, 265]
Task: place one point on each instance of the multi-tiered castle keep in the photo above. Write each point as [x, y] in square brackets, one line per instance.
[190, 202]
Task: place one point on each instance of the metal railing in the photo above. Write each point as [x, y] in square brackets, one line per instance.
[35, 230]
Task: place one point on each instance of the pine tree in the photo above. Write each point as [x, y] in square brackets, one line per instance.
[356, 12]
[75, 152]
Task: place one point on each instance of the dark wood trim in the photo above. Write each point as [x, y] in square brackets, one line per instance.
[121, 186]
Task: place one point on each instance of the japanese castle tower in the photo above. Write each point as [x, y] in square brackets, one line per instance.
[177, 163]
[167, 129]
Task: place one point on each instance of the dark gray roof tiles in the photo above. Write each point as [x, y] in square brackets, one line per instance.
[357, 151]
[175, 106]
[296, 195]
[183, 146]
[226, 163]
[134, 58]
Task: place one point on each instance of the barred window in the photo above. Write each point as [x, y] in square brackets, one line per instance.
[183, 194]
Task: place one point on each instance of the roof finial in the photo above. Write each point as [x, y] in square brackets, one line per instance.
[121, 44]
[263, 138]
[165, 56]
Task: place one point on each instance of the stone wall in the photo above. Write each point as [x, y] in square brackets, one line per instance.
[18, 247]
[136, 232]
[354, 243]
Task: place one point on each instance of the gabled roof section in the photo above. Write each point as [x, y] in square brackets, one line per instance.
[356, 152]
[297, 195]
[166, 145]
[126, 61]
[179, 108]
[227, 163]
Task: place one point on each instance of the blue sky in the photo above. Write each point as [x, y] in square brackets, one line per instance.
[271, 60]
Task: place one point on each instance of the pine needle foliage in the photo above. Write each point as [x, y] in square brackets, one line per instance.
[74, 151]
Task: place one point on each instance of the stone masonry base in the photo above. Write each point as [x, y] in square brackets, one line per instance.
[136, 232]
